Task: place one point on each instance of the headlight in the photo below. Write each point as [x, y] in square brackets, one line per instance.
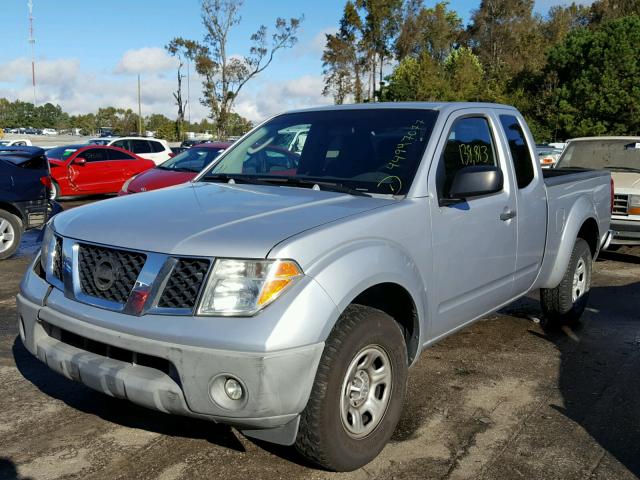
[634, 205]
[47, 246]
[125, 185]
[243, 287]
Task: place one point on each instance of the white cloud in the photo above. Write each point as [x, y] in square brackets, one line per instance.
[48, 72]
[145, 60]
[315, 46]
[80, 90]
[270, 98]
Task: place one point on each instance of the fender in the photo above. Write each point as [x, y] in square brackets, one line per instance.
[349, 270]
[557, 256]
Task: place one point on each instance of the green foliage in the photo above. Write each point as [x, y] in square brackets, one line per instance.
[575, 71]
[598, 74]
[459, 78]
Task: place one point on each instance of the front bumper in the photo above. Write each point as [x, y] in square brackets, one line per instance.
[625, 232]
[277, 384]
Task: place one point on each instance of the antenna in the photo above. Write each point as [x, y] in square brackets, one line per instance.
[32, 41]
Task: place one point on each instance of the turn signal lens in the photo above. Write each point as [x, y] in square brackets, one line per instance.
[634, 205]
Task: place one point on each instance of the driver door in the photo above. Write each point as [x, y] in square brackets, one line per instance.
[97, 175]
[474, 243]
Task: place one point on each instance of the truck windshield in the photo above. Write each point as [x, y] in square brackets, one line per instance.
[602, 153]
[366, 150]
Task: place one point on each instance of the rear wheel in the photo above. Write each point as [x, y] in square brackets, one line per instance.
[10, 234]
[359, 390]
[566, 303]
[54, 192]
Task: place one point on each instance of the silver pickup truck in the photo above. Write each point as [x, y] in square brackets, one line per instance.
[287, 293]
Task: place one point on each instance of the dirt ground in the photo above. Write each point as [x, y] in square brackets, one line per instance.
[503, 399]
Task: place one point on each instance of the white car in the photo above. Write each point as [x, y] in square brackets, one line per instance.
[49, 131]
[19, 142]
[149, 148]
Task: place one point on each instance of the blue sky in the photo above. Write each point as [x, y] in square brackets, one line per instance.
[88, 53]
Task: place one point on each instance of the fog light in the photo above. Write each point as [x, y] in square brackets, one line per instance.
[233, 389]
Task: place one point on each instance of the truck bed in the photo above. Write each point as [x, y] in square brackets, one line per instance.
[572, 193]
[559, 176]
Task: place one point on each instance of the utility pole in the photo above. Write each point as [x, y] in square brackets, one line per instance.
[32, 41]
[188, 92]
[139, 109]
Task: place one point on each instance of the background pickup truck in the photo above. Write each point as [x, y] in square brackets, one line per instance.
[291, 305]
[621, 156]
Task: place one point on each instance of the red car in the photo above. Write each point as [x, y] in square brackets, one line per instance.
[92, 169]
[179, 169]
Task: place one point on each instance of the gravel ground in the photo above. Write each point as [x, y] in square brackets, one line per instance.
[502, 399]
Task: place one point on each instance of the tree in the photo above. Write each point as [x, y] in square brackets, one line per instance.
[416, 79]
[562, 20]
[341, 62]
[598, 74]
[380, 26]
[465, 76]
[178, 52]
[605, 10]
[435, 30]
[507, 38]
[226, 75]
[238, 125]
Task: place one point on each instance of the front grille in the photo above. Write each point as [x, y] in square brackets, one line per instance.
[108, 273]
[57, 259]
[184, 284]
[620, 204]
[110, 351]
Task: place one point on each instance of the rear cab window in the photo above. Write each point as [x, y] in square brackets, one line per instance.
[520, 152]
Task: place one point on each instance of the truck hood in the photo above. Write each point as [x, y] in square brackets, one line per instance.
[628, 180]
[202, 219]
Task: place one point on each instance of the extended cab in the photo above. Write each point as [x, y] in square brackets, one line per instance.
[290, 304]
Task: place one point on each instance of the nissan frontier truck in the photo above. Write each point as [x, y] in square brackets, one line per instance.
[290, 303]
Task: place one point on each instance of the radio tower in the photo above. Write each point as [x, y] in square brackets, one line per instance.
[32, 41]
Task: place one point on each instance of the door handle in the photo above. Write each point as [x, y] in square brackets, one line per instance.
[507, 214]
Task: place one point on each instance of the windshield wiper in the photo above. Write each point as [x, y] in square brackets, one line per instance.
[225, 177]
[623, 169]
[322, 185]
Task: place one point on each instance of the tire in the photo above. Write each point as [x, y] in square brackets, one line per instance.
[10, 234]
[566, 303]
[54, 193]
[331, 437]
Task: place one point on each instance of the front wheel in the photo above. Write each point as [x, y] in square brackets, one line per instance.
[566, 303]
[359, 391]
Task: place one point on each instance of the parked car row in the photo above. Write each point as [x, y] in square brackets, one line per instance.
[32, 131]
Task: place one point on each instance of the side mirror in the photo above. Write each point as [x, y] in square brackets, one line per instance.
[79, 161]
[474, 182]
